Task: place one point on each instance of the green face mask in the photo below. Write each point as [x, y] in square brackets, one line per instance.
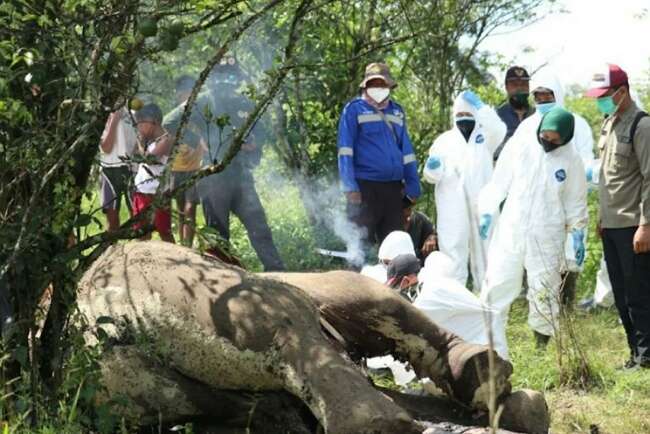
[606, 104]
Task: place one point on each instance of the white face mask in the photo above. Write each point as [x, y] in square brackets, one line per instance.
[378, 94]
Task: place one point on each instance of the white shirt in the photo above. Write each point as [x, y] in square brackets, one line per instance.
[146, 180]
[125, 140]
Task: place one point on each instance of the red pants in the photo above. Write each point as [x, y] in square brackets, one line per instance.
[162, 219]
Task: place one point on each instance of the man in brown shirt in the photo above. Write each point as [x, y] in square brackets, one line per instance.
[625, 206]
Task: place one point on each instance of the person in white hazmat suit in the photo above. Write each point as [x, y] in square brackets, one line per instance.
[548, 92]
[544, 181]
[452, 306]
[396, 243]
[460, 163]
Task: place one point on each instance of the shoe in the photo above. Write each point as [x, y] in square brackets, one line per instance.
[541, 341]
[587, 304]
[631, 365]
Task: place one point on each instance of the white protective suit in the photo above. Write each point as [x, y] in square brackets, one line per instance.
[466, 166]
[583, 141]
[547, 199]
[396, 243]
[452, 306]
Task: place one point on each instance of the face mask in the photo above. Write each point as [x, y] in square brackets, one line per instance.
[545, 107]
[606, 105]
[378, 94]
[465, 125]
[548, 145]
[519, 100]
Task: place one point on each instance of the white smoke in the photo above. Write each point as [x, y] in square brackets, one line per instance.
[325, 202]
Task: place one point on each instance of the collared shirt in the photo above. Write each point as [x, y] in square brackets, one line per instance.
[625, 171]
[511, 118]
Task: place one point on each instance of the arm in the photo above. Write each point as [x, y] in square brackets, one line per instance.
[574, 197]
[583, 141]
[494, 128]
[641, 143]
[110, 132]
[163, 147]
[495, 191]
[434, 168]
[411, 178]
[347, 137]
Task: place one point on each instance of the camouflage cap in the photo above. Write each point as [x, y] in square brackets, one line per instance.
[378, 70]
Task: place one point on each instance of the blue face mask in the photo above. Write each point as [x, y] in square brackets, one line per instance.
[545, 107]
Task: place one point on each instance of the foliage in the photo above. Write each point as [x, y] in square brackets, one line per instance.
[64, 66]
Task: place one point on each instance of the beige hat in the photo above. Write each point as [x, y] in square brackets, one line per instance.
[378, 70]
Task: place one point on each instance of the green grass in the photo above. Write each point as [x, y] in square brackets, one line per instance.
[618, 403]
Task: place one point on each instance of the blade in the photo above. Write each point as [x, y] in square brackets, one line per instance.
[333, 253]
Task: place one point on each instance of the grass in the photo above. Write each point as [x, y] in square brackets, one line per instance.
[619, 402]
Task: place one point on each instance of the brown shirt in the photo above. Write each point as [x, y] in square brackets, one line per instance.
[625, 171]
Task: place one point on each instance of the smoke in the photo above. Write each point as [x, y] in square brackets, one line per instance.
[324, 204]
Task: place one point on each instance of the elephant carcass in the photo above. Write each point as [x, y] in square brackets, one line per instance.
[374, 320]
[230, 330]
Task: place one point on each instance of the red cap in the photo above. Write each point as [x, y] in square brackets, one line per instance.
[611, 77]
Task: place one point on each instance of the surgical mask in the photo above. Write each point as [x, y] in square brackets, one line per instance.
[519, 100]
[548, 145]
[465, 125]
[545, 107]
[606, 105]
[378, 94]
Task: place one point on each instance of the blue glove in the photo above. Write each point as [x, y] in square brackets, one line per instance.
[590, 174]
[484, 226]
[433, 163]
[578, 236]
[472, 99]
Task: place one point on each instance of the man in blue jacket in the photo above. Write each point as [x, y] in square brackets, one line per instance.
[377, 163]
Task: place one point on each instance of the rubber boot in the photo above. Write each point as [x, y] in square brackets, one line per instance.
[541, 341]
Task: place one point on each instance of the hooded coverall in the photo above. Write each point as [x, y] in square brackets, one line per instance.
[583, 141]
[547, 199]
[466, 166]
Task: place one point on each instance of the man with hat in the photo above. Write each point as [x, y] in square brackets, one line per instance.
[376, 160]
[217, 117]
[624, 190]
[517, 108]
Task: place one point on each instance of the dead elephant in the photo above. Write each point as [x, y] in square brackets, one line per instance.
[227, 329]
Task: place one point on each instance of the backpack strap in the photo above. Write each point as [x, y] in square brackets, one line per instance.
[637, 118]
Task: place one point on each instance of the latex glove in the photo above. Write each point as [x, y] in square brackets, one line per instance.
[484, 226]
[590, 174]
[578, 236]
[472, 99]
[433, 163]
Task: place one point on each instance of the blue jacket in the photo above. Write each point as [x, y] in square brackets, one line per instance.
[369, 150]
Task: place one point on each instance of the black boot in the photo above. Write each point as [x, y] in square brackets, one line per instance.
[568, 289]
[541, 341]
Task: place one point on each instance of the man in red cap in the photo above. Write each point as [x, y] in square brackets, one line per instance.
[624, 187]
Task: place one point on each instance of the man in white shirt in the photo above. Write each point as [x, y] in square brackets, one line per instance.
[118, 141]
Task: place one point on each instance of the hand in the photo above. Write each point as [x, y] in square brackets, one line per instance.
[590, 174]
[353, 197]
[578, 236]
[430, 244]
[642, 239]
[433, 163]
[472, 99]
[484, 226]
